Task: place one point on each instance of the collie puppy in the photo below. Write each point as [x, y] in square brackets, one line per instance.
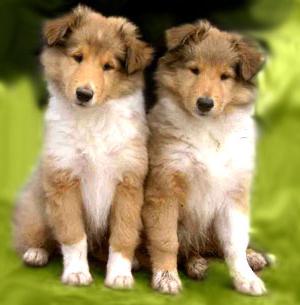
[88, 186]
[201, 153]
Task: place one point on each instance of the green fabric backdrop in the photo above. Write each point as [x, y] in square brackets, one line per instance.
[276, 192]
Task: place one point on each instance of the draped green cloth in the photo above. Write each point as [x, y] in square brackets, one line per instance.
[276, 190]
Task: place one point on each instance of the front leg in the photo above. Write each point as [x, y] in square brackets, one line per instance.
[125, 226]
[64, 211]
[160, 215]
[232, 226]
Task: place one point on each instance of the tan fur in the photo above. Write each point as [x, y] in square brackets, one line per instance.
[165, 193]
[125, 221]
[56, 31]
[75, 36]
[54, 210]
[178, 36]
[196, 267]
[241, 197]
[188, 70]
[201, 61]
[63, 204]
[31, 229]
[50, 209]
[125, 218]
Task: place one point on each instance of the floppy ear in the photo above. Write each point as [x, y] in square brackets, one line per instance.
[56, 31]
[180, 35]
[138, 53]
[250, 58]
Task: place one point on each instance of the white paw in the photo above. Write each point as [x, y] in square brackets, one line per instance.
[119, 281]
[118, 274]
[166, 282]
[77, 278]
[252, 285]
[76, 267]
[36, 257]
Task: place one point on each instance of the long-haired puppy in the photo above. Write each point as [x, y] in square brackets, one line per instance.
[201, 153]
[89, 182]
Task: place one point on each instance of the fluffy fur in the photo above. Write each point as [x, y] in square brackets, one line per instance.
[201, 161]
[89, 183]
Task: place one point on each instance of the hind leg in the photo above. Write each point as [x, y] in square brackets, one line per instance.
[36, 257]
[256, 260]
[32, 236]
[196, 267]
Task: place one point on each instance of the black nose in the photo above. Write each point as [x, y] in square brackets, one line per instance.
[204, 104]
[84, 94]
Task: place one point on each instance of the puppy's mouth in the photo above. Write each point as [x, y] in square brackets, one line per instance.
[206, 114]
[83, 104]
[201, 113]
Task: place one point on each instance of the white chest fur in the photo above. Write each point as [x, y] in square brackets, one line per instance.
[215, 153]
[93, 144]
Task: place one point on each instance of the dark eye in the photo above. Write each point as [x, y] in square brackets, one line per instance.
[78, 58]
[107, 67]
[195, 71]
[224, 76]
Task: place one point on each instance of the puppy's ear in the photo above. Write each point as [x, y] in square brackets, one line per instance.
[56, 31]
[138, 53]
[180, 35]
[139, 56]
[251, 59]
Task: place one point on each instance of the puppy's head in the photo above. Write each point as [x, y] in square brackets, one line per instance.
[207, 70]
[89, 59]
